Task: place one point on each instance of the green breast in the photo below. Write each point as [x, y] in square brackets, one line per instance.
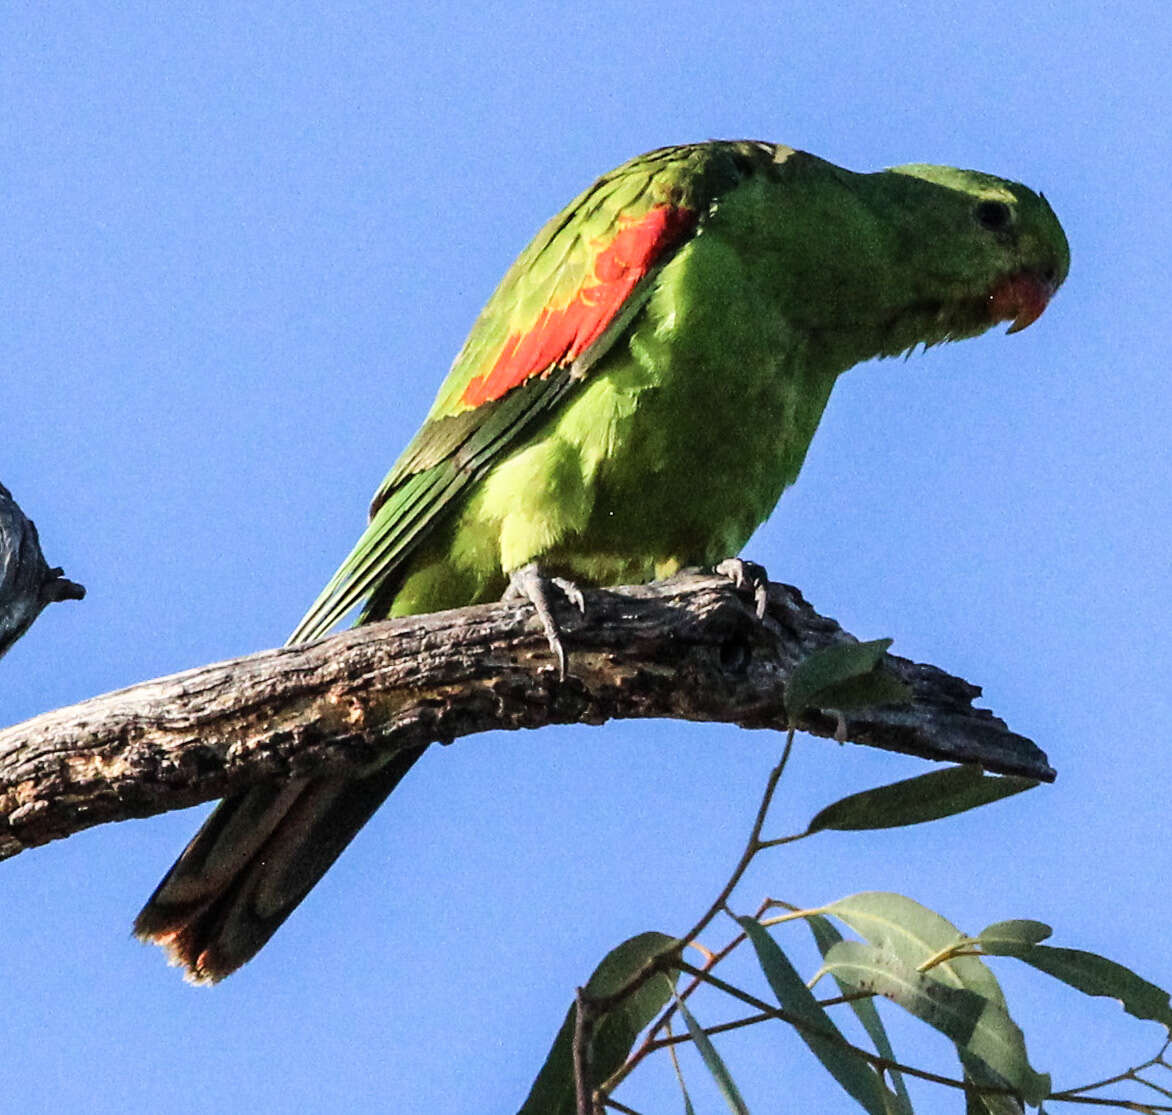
[671, 454]
[689, 433]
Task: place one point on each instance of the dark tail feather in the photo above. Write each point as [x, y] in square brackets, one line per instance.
[255, 858]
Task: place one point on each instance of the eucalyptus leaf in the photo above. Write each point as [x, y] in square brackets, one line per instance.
[987, 1103]
[553, 1092]
[713, 1062]
[689, 1109]
[977, 1025]
[1014, 937]
[1096, 975]
[915, 934]
[1087, 972]
[865, 691]
[912, 801]
[825, 937]
[827, 668]
[856, 1077]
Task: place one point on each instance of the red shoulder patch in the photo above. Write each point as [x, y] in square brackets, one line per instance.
[563, 333]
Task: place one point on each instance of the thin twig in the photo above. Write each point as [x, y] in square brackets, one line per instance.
[620, 1107]
[752, 845]
[669, 1043]
[776, 842]
[664, 1021]
[584, 1019]
[885, 1064]
[669, 957]
[1097, 1101]
[1130, 1074]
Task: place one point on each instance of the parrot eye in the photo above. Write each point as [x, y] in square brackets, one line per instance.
[996, 216]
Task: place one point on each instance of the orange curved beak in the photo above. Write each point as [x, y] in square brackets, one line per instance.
[1020, 298]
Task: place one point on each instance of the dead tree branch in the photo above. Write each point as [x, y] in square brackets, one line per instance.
[690, 648]
[27, 584]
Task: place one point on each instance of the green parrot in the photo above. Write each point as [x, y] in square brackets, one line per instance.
[634, 398]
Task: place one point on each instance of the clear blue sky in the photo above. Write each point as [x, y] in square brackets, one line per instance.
[238, 249]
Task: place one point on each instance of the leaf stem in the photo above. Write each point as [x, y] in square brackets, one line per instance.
[752, 846]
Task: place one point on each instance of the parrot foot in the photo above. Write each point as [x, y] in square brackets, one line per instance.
[529, 583]
[747, 575]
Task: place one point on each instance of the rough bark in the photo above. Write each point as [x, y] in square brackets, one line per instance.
[690, 648]
[27, 584]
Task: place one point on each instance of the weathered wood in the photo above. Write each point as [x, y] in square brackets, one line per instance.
[27, 584]
[690, 648]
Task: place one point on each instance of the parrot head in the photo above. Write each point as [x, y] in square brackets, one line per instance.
[996, 233]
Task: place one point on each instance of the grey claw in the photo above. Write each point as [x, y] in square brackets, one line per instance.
[748, 574]
[571, 592]
[530, 583]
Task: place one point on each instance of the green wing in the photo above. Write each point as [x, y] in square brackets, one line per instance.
[557, 311]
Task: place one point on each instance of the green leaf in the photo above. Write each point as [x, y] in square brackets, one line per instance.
[1012, 938]
[986, 1103]
[1087, 972]
[927, 797]
[915, 934]
[553, 1091]
[843, 676]
[688, 1108]
[857, 1078]
[977, 1025]
[1096, 975]
[865, 691]
[826, 936]
[716, 1066]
